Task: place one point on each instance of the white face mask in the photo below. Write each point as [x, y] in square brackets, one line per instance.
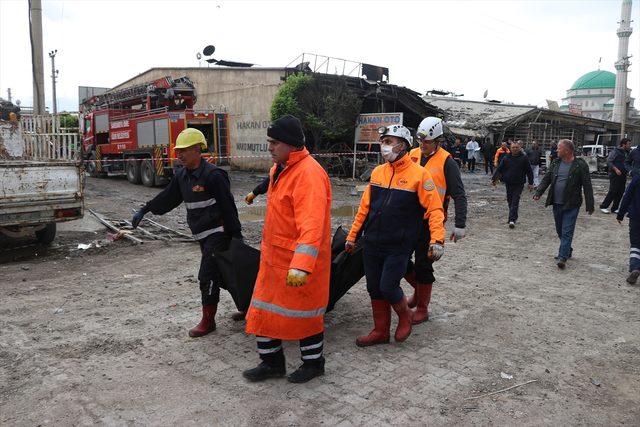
[387, 152]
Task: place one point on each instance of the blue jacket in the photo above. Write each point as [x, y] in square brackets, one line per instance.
[630, 203]
[617, 158]
[514, 170]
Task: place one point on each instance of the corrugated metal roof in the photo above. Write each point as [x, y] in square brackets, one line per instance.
[477, 115]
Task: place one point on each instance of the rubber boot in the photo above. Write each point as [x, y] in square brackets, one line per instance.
[381, 324]
[207, 323]
[272, 366]
[238, 316]
[421, 313]
[404, 319]
[411, 279]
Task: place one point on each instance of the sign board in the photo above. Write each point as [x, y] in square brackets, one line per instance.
[367, 126]
[575, 109]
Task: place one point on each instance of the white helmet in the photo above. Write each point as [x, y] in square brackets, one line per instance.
[430, 128]
[398, 131]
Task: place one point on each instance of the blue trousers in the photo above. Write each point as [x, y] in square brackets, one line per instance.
[383, 269]
[565, 225]
[634, 250]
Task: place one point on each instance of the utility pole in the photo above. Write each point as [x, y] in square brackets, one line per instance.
[35, 27]
[9, 94]
[622, 66]
[54, 75]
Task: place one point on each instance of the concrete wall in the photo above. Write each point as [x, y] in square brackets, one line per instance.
[245, 93]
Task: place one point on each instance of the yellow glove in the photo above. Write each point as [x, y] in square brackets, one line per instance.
[249, 198]
[297, 278]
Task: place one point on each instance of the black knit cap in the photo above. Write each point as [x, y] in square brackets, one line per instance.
[287, 129]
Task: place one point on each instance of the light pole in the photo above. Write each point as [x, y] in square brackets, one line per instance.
[54, 75]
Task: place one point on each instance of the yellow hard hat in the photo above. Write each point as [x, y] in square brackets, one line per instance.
[190, 137]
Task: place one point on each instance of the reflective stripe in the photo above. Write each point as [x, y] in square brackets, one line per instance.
[312, 356]
[634, 250]
[634, 256]
[307, 250]
[312, 346]
[202, 204]
[263, 339]
[285, 311]
[269, 350]
[206, 233]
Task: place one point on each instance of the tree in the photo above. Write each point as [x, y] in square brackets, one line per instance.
[327, 108]
[68, 121]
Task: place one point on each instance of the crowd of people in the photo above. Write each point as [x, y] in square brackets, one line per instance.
[400, 227]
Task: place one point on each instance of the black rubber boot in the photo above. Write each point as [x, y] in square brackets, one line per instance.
[272, 366]
[308, 371]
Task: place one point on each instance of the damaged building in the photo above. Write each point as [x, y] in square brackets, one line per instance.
[498, 122]
[246, 95]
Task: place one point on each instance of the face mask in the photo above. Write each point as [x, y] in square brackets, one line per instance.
[387, 153]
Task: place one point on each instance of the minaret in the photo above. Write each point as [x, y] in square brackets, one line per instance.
[622, 64]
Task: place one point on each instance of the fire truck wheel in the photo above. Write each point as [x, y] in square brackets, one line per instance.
[133, 171]
[91, 165]
[147, 173]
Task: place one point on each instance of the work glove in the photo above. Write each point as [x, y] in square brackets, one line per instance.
[458, 233]
[349, 247]
[436, 250]
[137, 217]
[296, 278]
[249, 198]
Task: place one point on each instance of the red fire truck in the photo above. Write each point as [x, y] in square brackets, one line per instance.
[132, 131]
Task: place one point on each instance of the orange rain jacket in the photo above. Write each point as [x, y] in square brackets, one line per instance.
[500, 151]
[296, 234]
[399, 196]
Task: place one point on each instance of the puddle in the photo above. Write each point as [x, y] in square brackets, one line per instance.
[256, 213]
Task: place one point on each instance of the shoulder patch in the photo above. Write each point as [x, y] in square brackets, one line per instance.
[429, 185]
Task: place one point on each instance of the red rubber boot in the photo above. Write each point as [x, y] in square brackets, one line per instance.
[404, 319]
[411, 279]
[207, 323]
[423, 297]
[381, 322]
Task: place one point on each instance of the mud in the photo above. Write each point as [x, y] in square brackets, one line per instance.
[99, 336]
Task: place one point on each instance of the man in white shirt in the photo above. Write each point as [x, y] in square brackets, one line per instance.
[472, 148]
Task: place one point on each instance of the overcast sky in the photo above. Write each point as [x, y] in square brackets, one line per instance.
[520, 51]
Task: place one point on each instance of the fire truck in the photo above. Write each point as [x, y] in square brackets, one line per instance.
[132, 131]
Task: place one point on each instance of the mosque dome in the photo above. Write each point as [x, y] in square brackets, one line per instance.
[599, 79]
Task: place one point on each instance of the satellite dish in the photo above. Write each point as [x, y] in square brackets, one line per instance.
[486, 93]
[198, 56]
[208, 51]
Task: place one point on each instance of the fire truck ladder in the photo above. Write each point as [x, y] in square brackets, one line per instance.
[139, 92]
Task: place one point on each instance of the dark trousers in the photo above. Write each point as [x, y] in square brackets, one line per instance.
[472, 163]
[488, 165]
[565, 225]
[209, 275]
[514, 191]
[422, 265]
[311, 349]
[383, 269]
[634, 250]
[616, 190]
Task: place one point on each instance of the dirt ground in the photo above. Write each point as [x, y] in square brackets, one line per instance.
[100, 335]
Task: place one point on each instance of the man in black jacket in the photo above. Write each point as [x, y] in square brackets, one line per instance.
[566, 178]
[534, 154]
[633, 162]
[488, 151]
[514, 169]
[617, 176]
[211, 214]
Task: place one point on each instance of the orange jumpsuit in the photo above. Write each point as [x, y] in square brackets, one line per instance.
[296, 234]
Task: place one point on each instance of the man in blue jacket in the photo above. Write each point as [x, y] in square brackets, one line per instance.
[617, 176]
[514, 169]
[630, 206]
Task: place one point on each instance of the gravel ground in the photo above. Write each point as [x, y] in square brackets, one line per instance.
[100, 335]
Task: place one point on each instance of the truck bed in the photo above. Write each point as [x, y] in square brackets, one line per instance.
[37, 191]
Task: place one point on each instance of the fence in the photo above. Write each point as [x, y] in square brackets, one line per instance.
[47, 146]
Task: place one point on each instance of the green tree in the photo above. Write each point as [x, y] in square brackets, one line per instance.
[68, 121]
[327, 108]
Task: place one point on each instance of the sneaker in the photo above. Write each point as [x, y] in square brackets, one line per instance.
[633, 277]
[616, 212]
[306, 372]
[512, 224]
[562, 263]
[604, 210]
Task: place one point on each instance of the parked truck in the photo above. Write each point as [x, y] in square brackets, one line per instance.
[132, 131]
[41, 181]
